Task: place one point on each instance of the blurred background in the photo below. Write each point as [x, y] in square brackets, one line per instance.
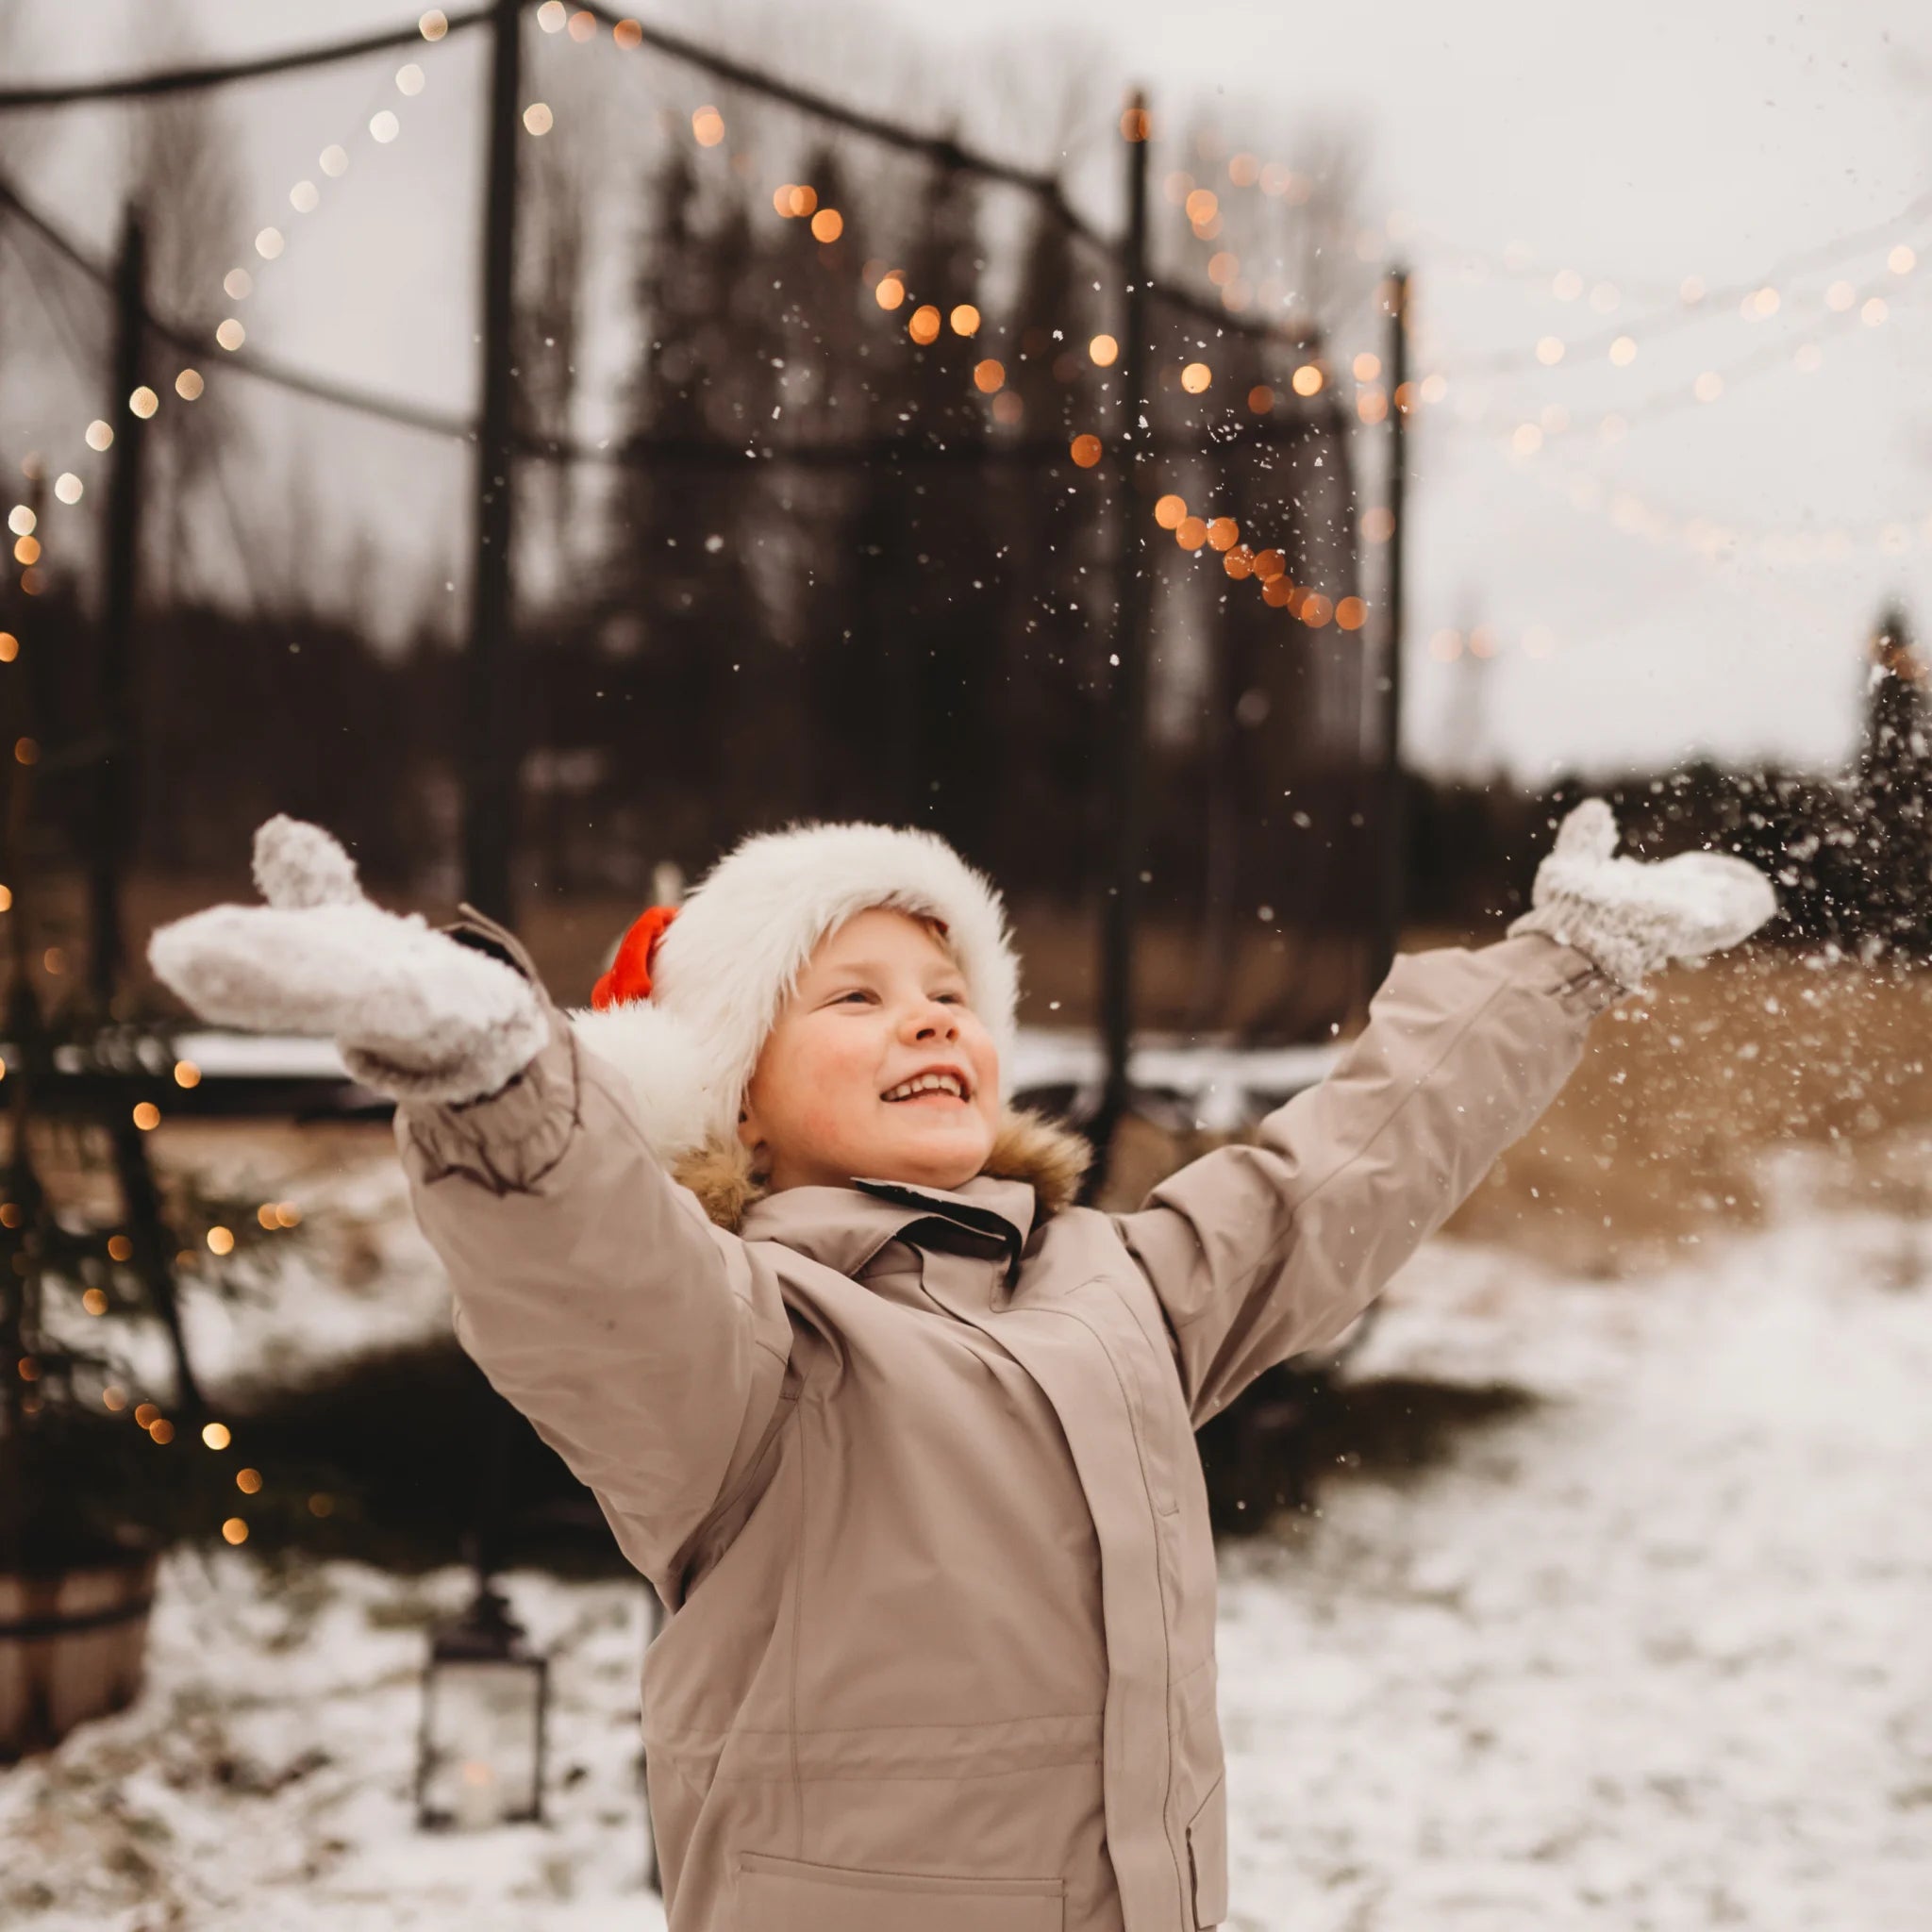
[1241, 479]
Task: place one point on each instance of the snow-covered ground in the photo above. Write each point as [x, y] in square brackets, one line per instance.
[1651, 1655]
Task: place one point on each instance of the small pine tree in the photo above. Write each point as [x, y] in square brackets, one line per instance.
[1890, 806]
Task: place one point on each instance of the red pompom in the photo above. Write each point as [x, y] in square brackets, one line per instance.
[629, 978]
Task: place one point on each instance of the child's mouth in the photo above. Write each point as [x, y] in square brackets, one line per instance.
[935, 1088]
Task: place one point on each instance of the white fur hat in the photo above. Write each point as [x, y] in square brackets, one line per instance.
[719, 971]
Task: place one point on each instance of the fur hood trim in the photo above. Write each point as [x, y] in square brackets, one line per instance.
[1028, 1147]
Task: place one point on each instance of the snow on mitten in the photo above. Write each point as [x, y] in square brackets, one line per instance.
[1630, 917]
[414, 1012]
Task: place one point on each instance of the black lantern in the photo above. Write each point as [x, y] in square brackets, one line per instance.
[485, 1695]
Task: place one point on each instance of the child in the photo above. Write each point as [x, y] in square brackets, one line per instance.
[902, 1436]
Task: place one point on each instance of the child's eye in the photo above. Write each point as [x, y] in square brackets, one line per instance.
[857, 993]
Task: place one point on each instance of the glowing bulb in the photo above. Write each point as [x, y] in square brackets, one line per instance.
[1307, 379]
[1084, 451]
[889, 293]
[234, 1530]
[304, 197]
[409, 79]
[708, 126]
[20, 520]
[964, 320]
[144, 402]
[989, 376]
[384, 126]
[238, 285]
[1195, 377]
[216, 1435]
[187, 1074]
[231, 335]
[147, 1116]
[924, 324]
[269, 243]
[189, 385]
[99, 435]
[628, 33]
[433, 25]
[1104, 351]
[221, 1241]
[1366, 367]
[827, 224]
[552, 15]
[334, 162]
[1169, 511]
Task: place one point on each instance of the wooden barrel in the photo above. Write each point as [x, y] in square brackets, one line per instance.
[72, 1646]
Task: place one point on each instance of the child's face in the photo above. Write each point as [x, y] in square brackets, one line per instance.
[879, 1002]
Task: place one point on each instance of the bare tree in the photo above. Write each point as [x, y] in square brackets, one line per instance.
[182, 175]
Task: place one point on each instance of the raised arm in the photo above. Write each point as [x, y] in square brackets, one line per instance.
[1258, 1252]
[646, 1346]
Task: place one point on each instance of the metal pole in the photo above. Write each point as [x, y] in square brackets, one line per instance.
[1393, 814]
[488, 751]
[114, 796]
[1127, 690]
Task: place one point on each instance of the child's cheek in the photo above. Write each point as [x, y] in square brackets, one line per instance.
[840, 1092]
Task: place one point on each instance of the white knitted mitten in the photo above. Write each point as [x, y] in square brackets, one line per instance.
[414, 1014]
[1631, 917]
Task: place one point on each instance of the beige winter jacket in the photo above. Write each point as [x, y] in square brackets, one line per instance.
[914, 1471]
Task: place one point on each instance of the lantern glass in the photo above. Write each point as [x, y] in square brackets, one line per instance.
[481, 1756]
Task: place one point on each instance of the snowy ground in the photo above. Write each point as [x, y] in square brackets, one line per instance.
[1650, 1656]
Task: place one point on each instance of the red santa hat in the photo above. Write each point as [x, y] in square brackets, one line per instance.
[692, 992]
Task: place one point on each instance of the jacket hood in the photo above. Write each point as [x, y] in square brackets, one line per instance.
[1050, 1159]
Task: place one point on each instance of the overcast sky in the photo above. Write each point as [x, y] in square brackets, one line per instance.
[1635, 145]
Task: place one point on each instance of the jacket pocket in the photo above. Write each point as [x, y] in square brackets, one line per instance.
[789, 1895]
[1208, 1855]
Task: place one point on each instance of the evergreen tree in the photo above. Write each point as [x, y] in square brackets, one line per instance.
[921, 541]
[688, 617]
[1891, 795]
[1051, 520]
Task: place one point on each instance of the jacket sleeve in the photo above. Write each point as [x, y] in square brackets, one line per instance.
[647, 1346]
[1258, 1252]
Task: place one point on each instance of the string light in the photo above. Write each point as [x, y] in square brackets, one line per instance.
[238, 284]
[1268, 568]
